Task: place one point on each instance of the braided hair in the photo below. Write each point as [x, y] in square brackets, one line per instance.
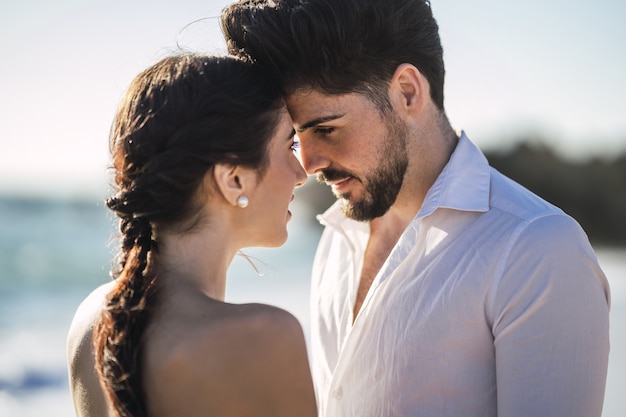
[177, 120]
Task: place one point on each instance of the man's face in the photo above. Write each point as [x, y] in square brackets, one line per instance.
[350, 146]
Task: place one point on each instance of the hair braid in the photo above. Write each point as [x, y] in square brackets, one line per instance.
[125, 316]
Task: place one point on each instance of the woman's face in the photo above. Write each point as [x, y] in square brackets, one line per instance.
[269, 201]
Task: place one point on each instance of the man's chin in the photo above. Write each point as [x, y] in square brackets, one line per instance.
[344, 197]
[360, 211]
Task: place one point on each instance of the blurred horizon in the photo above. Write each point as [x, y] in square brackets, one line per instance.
[98, 188]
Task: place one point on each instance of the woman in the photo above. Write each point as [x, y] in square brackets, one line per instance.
[204, 166]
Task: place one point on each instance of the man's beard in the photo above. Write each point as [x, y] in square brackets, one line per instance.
[381, 187]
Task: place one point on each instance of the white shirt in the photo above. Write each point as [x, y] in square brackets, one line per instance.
[491, 303]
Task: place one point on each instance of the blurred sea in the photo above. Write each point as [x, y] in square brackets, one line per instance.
[53, 253]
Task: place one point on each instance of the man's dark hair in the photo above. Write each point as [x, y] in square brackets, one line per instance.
[338, 46]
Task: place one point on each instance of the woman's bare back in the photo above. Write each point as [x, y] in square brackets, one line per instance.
[215, 358]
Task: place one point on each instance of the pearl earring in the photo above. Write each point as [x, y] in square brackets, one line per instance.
[242, 201]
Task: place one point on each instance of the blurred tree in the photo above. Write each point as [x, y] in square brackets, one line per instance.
[592, 191]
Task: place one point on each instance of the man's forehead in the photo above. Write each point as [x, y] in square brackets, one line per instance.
[309, 107]
[309, 104]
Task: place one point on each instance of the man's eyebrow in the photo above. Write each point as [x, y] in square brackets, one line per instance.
[319, 120]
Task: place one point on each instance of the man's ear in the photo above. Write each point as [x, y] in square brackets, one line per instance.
[233, 181]
[410, 86]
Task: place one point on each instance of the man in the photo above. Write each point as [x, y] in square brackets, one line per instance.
[440, 287]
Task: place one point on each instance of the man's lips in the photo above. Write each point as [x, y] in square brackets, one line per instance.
[337, 180]
[339, 185]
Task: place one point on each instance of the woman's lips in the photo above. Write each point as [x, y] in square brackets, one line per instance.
[289, 211]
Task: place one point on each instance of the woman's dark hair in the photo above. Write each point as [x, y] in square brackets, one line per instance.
[177, 120]
[338, 46]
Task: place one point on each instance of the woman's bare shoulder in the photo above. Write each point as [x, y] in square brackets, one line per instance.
[238, 333]
[259, 323]
[85, 318]
[85, 388]
[251, 356]
[257, 330]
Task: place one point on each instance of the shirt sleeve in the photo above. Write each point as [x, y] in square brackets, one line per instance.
[550, 322]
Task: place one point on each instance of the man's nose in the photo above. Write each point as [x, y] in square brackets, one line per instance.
[313, 157]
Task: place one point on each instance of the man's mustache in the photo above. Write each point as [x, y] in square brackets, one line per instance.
[333, 175]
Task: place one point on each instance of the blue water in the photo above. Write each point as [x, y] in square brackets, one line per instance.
[53, 253]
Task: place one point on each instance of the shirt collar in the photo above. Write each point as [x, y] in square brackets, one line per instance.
[463, 185]
[335, 218]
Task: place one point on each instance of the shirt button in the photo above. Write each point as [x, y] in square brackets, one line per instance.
[337, 393]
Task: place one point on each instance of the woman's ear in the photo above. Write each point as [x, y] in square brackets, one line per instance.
[411, 87]
[233, 181]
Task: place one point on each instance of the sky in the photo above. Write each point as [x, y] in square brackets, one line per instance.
[553, 69]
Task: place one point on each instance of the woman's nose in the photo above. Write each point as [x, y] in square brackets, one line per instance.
[300, 175]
